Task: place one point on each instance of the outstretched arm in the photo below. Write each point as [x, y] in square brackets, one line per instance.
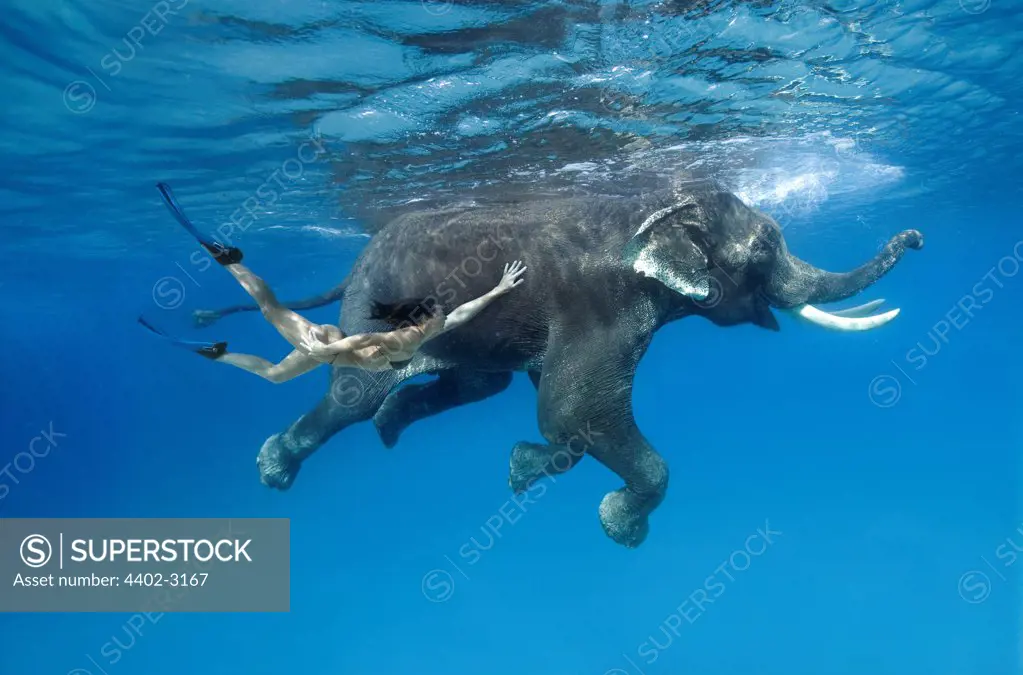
[401, 344]
[468, 310]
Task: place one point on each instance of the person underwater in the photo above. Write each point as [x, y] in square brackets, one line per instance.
[415, 321]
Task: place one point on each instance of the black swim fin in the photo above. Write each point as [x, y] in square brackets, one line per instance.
[225, 255]
[211, 350]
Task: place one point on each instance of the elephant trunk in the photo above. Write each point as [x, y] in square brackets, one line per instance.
[796, 283]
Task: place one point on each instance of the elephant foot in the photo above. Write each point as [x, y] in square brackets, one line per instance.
[532, 461]
[529, 463]
[624, 518]
[277, 465]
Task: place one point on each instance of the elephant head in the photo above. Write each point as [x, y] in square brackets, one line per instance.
[728, 262]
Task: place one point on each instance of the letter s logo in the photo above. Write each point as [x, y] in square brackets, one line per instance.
[79, 97]
[36, 550]
[168, 293]
[347, 391]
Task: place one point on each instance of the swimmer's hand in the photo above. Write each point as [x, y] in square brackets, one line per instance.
[468, 310]
[316, 344]
[511, 278]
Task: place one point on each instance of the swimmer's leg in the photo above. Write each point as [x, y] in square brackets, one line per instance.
[294, 364]
[292, 326]
[225, 255]
[211, 350]
[289, 324]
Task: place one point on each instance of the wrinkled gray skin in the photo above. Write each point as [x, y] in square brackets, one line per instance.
[578, 325]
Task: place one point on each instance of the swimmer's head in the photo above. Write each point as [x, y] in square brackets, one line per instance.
[407, 312]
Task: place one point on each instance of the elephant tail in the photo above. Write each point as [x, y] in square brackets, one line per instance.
[206, 317]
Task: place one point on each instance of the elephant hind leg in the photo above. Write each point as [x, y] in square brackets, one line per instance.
[354, 396]
[451, 389]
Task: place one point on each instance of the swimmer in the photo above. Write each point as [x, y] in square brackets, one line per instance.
[415, 321]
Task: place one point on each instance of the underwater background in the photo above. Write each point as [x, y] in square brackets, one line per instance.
[881, 467]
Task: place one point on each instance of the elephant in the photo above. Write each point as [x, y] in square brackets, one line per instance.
[605, 273]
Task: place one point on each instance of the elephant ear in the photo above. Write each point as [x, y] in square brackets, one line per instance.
[663, 250]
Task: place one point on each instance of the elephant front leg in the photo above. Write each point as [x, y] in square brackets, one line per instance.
[354, 396]
[586, 392]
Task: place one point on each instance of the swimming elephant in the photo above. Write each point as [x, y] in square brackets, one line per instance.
[604, 274]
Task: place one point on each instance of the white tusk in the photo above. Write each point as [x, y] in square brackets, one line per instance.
[844, 323]
[859, 310]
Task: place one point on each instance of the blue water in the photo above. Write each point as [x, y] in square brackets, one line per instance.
[886, 461]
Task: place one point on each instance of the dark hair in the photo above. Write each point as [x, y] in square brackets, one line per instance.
[408, 311]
